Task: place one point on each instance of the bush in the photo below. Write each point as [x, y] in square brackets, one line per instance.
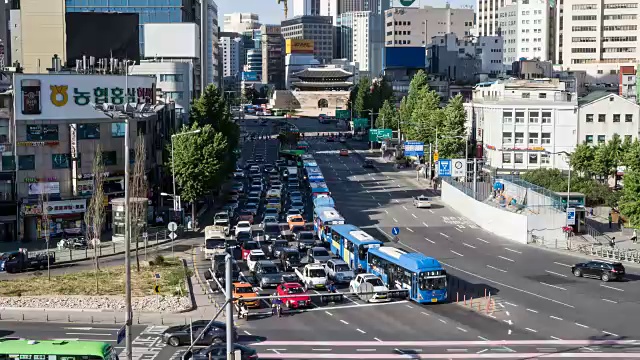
[159, 260]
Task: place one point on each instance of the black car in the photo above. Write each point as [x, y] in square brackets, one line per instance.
[368, 164]
[214, 334]
[289, 259]
[218, 352]
[601, 269]
[276, 246]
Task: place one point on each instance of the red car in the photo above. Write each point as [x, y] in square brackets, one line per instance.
[246, 216]
[247, 246]
[296, 295]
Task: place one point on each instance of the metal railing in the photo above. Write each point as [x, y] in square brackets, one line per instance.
[613, 253]
[556, 200]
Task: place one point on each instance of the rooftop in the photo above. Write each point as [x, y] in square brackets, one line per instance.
[319, 73]
[321, 85]
[593, 96]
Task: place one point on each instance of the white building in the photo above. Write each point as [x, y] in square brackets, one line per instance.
[213, 55]
[525, 27]
[599, 37]
[361, 41]
[330, 8]
[487, 23]
[295, 63]
[232, 52]
[241, 22]
[524, 124]
[306, 7]
[602, 114]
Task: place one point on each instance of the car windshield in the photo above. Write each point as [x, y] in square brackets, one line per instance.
[293, 256]
[296, 229]
[320, 253]
[317, 273]
[269, 270]
[251, 245]
[243, 236]
[281, 243]
[244, 290]
[342, 267]
[297, 204]
[272, 229]
[295, 194]
[432, 283]
[374, 281]
[306, 236]
[296, 290]
[274, 201]
[257, 257]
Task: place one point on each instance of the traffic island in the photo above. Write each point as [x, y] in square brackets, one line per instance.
[159, 287]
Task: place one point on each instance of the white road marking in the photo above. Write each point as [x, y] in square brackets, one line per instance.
[431, 211]
[410, 229]
[611, 287]
[609, 333]
[376, 339]
[512, 304]
[561, 264]
[611, 301]
[366, 349]
[533, 331]
[515, 251]
[425, 224]
[344, 322]
[457, 253]
[414, 216]
[471, 246]
[553, 286]
[379, 204]
[508, 314]
[442, 321]
[424, 313]
[320, 349]
[92, 334]
[409, 306]
[533, 311]
[361, 331]
[404, 207]
[483, 338]
[555, 317]
[394, 219]
[328, 313]
[484, 241]
[396, 200]
[461, 329]
[457, 350]
[385, 210]
[445, 235]
[458, 229]
[248, 333]
[555, 273]
[505, 258]
[555, 338]
[495, 268]
[481, 351]
[431, 241]
[581, 325]
[277, 351]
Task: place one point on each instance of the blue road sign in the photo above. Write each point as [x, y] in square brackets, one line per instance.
[395, 231]
[414, 148]
[571, 216]
[444, 167]
[121, 334]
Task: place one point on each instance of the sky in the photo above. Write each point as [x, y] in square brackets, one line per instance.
[271, 12]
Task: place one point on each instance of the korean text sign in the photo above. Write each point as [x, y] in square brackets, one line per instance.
[70, 96]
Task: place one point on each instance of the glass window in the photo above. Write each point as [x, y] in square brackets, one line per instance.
[628, 118]
[602, 117]
[61, 161]
[546, 138]
[588, 139]
[601, 139]
[8, 163]
[533, 158]
[118, 129]
[507, 117]
[544, 159]
[589, 117]
[542, 95]
[171, 77]
[546, 117]
[519, 136]
[534, 117]
[88, 131]
[526, 95]
[109, 158]
[519, 117]
[26, 162]
[506, 158]
[518, 158]
[507, 137]
[42, 132]
[534, 138]
[4, 130]
[616, 117]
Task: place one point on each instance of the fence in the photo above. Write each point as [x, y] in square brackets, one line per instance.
[607, 252]
[556, 200]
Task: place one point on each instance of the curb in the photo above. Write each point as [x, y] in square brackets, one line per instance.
[189, 286]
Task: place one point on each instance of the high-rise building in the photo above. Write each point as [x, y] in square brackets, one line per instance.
[232, 49]
[410, 27]
[316, 28]
[272, 56]
[525, 29]
[487, 22]
[241, 22]
[361, 41]
[306, 7]
[330, 8]
[357, 5]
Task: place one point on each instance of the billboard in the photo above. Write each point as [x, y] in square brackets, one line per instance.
[176, 40]
[251, 76]
[405, 57]
[102, 35]
[299, 46]
[71, 96]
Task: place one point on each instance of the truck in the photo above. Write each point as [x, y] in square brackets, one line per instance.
[17, 261]
[312, 276]
[214, 238]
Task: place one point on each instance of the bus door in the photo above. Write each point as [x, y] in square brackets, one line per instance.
[336, 243]
[346, 253]
[414, 288]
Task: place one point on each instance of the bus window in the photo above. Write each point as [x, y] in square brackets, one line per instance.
[348, 245]
[439, 283]
[362, 252]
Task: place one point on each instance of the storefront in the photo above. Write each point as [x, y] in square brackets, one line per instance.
[66, 218]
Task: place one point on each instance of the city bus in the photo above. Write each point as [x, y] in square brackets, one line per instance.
[56, 349]
[323, 217]
[351, 244]
[319, 188]
[422, 276]
[314, 174]
[302, 145]
[309, 163]
[323, 201]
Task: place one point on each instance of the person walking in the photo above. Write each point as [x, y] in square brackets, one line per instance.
[610, 218]
[634, 238]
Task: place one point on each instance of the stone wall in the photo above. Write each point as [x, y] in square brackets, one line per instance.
[307, 103]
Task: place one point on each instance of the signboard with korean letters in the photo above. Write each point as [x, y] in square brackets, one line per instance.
[72, 97]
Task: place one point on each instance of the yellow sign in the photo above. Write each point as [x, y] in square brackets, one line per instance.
[435, 156]
[59, 96]
[299, 46]
[156, 289]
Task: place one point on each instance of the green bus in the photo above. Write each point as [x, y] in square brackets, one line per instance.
[56, 350]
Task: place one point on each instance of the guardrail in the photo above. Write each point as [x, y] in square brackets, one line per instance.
[605, 252]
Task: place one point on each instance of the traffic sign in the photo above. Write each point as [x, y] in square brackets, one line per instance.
[172, 226]
[343, 114]
[172, 235]
[395, 230]
[414, 148]
[156, 275]
[360, 122]
[571, 216]
[435, 156]
[376, 135]
[458, 168]
[444, 167]
[156, 289]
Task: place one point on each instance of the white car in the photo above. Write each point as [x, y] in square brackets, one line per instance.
[376, 285]
[422, 202]
[254, 257]
[243, 226]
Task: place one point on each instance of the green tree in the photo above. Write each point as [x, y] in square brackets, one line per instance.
[199, 162]
[630, 200]
[582, 159]
[454, 140]
[418, 83]
[363, 100]
[426, 116]
[388, 116]
[631, 158]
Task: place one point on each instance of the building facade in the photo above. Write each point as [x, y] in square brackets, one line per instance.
[629, 83]
[525, 27]
[316, 28]
[240, 22]
[361, 41]
[272, 56]
[463, 61]
[416, 26]
[602, 114]
[295, 63]
[232, 49]
[306, 7]
[486, 20]
[523, 124]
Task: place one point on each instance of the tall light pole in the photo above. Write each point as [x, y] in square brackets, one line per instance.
[568, 181]
[173, 172]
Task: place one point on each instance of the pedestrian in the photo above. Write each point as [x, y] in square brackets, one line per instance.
[610, 218]
[634, 238]
[612, 242]
[275, 304]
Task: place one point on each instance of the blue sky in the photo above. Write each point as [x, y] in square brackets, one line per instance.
[271, 13]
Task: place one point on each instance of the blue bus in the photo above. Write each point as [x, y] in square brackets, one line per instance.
[314, 174]
[351, 244]
[309, 163]
[422, 276]
[324, 216]
[319, 188]
[324, 201]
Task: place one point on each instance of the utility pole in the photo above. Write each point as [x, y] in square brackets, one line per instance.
[229, 306]
[127, 223]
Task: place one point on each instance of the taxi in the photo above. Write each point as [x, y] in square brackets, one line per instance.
[274, 193]
[275, 203]
[295, 220]
[344, 152]
[244, 290]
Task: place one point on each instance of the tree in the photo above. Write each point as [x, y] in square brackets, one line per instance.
[94, 217]
[582, 159]
[362, 102]
[138, 194]
[418, 83]
[388, 116]
[631, 158]
[630, 200]
[199, 162]
[455, 141]
[45, 227]
[426, 116]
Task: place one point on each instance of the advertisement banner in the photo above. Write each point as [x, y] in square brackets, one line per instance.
[66, 206]
[299, 46]
[44, 188]
[73, 141]
[250, 76]
[69, 97]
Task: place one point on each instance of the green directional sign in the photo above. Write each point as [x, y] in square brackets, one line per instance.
[343, 114]
[407, 2]
[360, 122]
[377, 135]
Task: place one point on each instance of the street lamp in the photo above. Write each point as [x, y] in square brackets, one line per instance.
[568, 180]
[173, 171]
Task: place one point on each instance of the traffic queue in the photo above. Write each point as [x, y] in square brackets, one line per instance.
[290, 243]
